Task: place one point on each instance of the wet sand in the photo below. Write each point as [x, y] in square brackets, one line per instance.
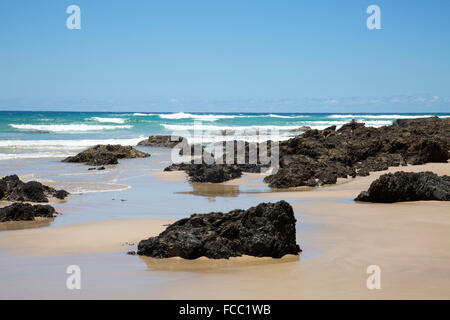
[409, 241]
[170, 176]
[95, 237]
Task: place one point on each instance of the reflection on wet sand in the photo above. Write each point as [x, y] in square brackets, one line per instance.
[212, 190]
[212, 265]
[17, 225]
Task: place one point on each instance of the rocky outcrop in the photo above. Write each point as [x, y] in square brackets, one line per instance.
[25, 211]
[267, 230]
[162, 141]
[14, 189]
[244, 157]
[407, 186]
[319, 157]
[208, 172]
[106, 154]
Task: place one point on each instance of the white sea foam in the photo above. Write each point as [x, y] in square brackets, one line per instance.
[312, 124]
[138, 114]
[109, 120]
[24, 149]
[34, 155]
[201, 117]
[215, 117]
[64, 144]
[288, 117]
[181, 127]
[68, 127]
[206, 139]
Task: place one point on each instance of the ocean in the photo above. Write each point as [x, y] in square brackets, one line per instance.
[60, 134]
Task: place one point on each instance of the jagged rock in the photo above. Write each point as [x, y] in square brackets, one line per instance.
[207, 172]
[321, 156]
[162, 141]
[106, 154]
[14, 189]
[407, 186]
[348, 127]
[229, 166]
[267, 230]
[25, 211]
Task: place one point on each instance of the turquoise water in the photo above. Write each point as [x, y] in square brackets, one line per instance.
[58, 134]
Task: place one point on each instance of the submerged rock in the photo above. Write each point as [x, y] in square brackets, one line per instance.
[14, 189]
[267, 230]
[407, 186]
[106, 154]
[162, 141]
[25, 211]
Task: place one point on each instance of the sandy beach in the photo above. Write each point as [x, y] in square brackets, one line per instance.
[339, 238]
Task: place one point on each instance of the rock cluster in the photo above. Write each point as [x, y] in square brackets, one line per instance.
[25, 211]
[207, 172]
[14, 189]
[245, 157]
[106, 154]
[407, 186]
[267, 230]
[321, 156]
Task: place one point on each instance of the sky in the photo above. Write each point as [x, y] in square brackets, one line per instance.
[225, 56]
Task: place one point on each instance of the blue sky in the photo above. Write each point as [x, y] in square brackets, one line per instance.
[246, 55]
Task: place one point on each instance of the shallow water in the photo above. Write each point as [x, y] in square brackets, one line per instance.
[128, 190]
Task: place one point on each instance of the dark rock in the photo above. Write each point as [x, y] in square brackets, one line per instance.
[346, 128]
[267, 230]
[162, 141]
[407, 186]
[25, 211]
[242, 158]
[321, 156]
[213, 173]
[427, 150]
[14, 189]
[106, 154]
[61, 194]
